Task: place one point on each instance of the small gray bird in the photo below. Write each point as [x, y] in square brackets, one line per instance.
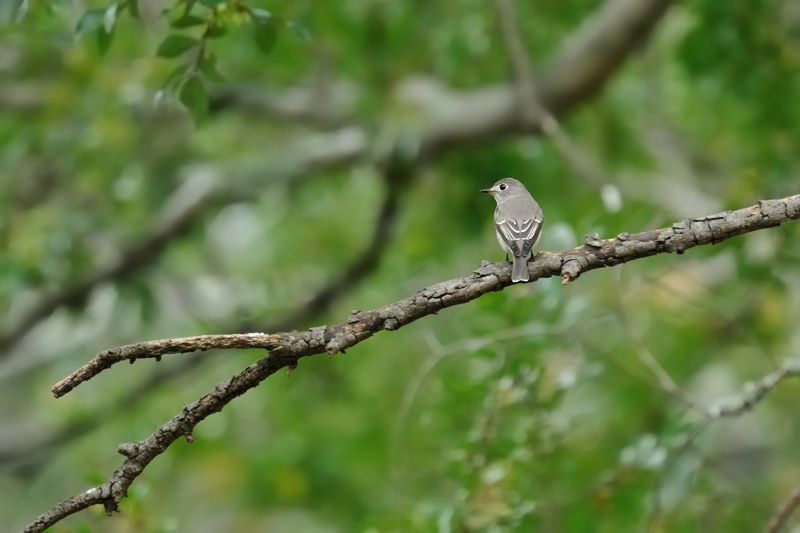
[518, 222]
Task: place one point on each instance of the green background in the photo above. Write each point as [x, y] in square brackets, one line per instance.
[526, 410]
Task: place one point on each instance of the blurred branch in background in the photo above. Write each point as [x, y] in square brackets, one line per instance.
[299, 104]
[586, 60]
[177, 216]
[181, 212]
[322, 102]
[397, 176]
[531, 109]
[755, 391]
[292, 105]
[783, 513]
[731, 406]
[21, 97]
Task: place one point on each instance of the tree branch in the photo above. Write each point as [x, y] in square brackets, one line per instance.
[285, 349]
[596, 49]
[784, 512]
[521, 64]
[531, 109]
[489, 277]
[293, 104]
[588, 58]
[754, 392]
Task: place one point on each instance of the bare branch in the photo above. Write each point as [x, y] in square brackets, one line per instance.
[520, 62]
[489, 277]
[754, 392]
[285, 349]
[140, 454]
[735, 406]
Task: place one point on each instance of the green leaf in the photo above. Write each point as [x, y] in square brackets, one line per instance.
[90, 21]
[104, 39]
[187, 21]
[300, 30]
[13, 10]
[110, 18]
[208, 66]
[216, 31]
[193, 95]
[265, 33]
[212, 3]
[189, 5]
[260, 13]
[175, 45]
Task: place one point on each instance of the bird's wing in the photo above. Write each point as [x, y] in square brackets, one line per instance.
[520, 234]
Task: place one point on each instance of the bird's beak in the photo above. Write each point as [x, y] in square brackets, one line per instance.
[488, 191]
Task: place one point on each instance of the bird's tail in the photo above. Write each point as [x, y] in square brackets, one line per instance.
[519, 272]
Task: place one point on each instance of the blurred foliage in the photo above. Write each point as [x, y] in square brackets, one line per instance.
[526, 410]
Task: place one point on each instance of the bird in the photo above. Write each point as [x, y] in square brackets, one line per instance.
[518, 223]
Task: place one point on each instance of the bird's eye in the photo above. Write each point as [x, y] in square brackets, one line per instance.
[503, 187]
